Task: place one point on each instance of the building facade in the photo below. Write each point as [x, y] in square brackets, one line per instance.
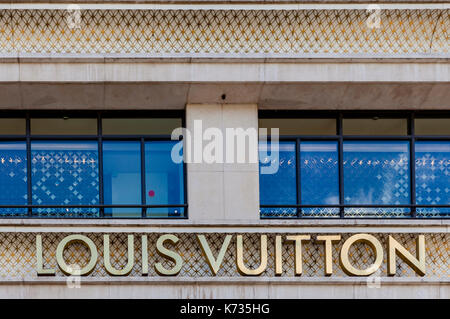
[101, 101]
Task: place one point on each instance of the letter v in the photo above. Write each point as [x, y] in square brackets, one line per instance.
[214, 263]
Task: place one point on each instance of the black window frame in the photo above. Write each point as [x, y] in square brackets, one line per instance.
[99, 138]
[410, 136]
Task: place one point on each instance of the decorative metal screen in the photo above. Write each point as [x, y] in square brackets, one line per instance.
[224, 31]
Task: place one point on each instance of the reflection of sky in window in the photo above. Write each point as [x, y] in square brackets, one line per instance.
[164, 179]
[319, 177]
[319, 173]
[279, 188]
[65, 173]
[122, 177]
[433, 177]
[376, 172]
[13, 177]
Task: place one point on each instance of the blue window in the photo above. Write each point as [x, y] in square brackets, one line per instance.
[65, 173]
[164, 179]
[51, 166]
[13, 177]
[319, 177]
[376, 173]
[279, 188]
[122, 177]
[355, 165]
[433, 177]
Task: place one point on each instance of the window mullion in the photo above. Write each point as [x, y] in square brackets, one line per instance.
[298, 174]
[341, 165]
[100, 165]
[143, 185]
[412, 165]
[28, 150]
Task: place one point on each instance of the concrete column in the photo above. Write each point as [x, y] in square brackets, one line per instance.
[223, 191]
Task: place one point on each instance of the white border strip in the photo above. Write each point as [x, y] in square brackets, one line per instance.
[198, 6]
[228, 230]
[231, 57]
[152, 280]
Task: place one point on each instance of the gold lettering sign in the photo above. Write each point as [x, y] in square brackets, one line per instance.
[298, 251]
[107, 256]
[373, 243]
[328, 239]
[214, 263]
[251, 258]
[144, 255]
[86, 270]
[39, 263]
[418, 264]
[164, 252]
[242, 269]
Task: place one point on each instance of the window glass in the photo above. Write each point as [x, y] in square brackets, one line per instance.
[65, 173]
[432, 126]
[280, 187]
[300, 126]
[11, 126]
[376, 173]
[164, 179]
[13, 177]
[122, 177]
[319, 177]
[375, 126]
[64, 126]
[140, 126]
[433, 177]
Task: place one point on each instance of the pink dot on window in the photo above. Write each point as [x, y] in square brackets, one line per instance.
[151, 193]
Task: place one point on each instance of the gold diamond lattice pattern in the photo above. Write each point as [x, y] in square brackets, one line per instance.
[224, 32]
[18, 255]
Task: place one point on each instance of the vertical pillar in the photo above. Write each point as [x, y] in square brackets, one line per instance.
[223, 191]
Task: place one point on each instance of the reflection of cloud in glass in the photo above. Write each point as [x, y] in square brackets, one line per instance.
[282, 147]
[331, 200]
[375, 147]
[432, 176]
[66, 145]
[363, 197]
[10, 146]
[433, 147]
[316, 147]
[366, 182]
[366, 196]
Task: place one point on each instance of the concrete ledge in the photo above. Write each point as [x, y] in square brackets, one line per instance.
[213, 72]
[119, 84]
[226, 226]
